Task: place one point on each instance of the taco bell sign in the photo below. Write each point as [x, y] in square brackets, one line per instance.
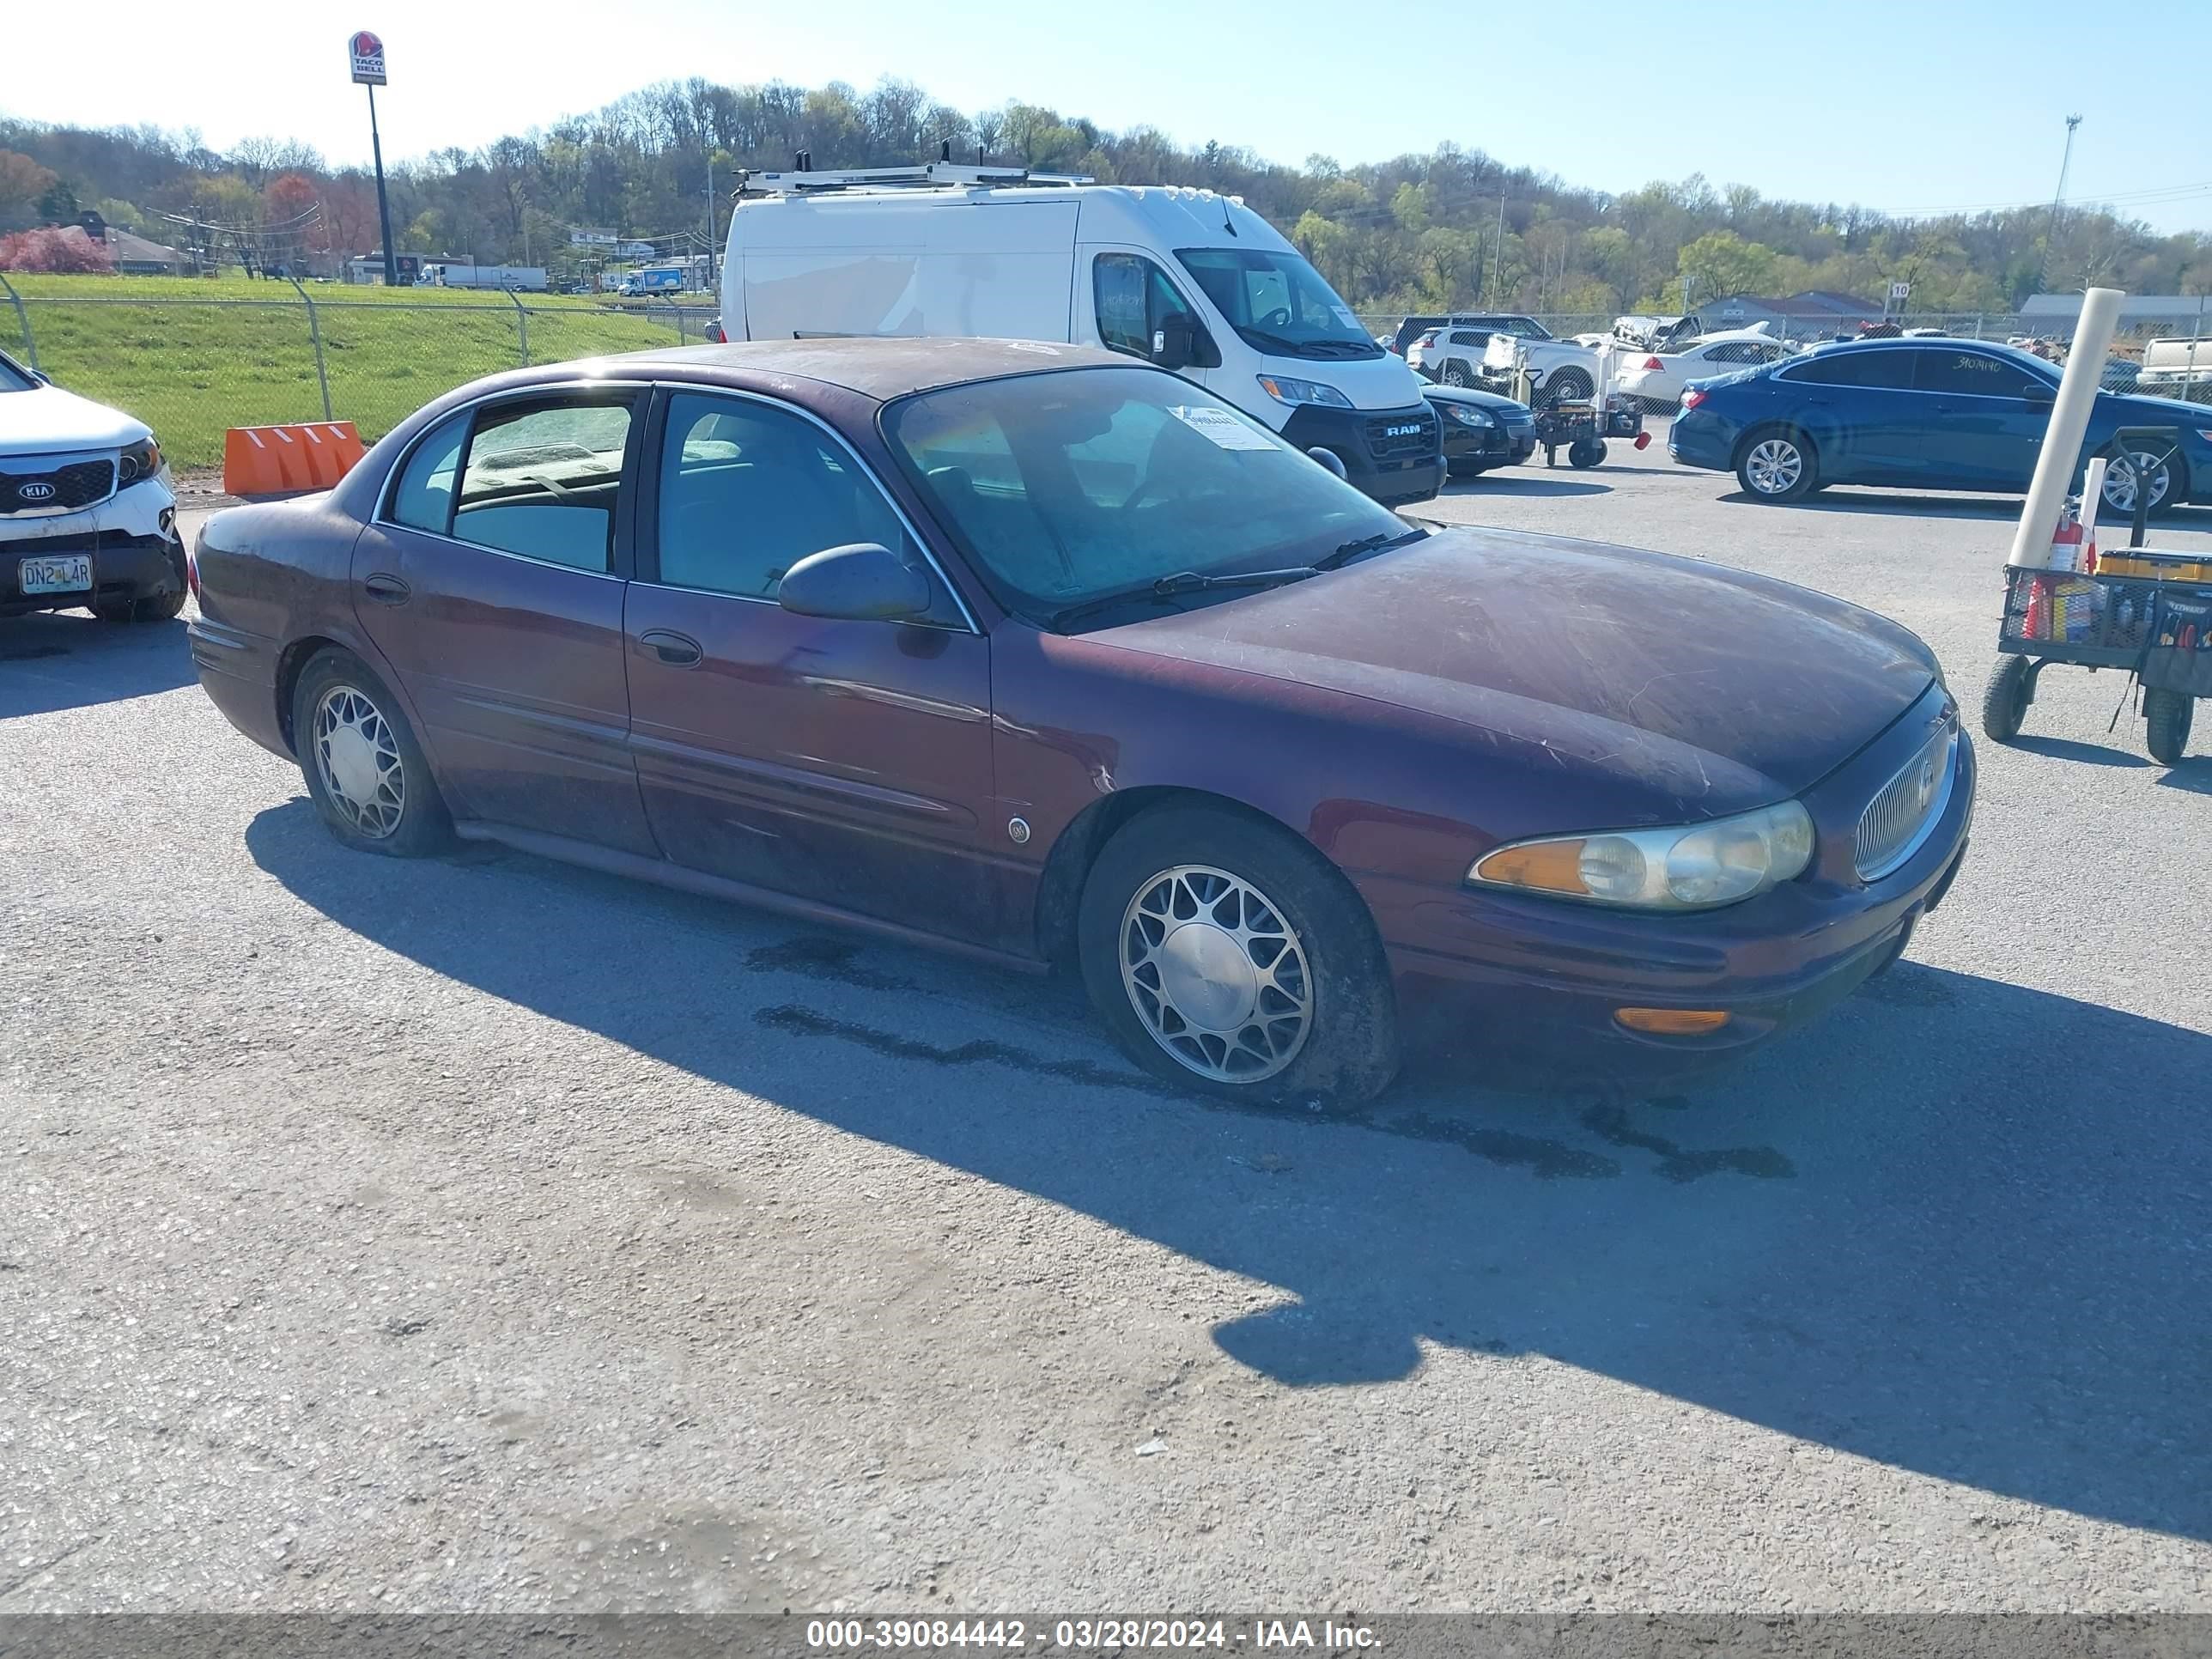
[366, 53]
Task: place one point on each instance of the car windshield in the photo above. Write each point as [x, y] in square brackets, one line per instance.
[1277, 302]
[1068, 487]
[13, 377]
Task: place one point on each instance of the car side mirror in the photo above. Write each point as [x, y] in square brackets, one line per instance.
[1175, 342]
[1331, 460]
[863, 582]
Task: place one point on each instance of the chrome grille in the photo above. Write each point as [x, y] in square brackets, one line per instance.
[1906, 809]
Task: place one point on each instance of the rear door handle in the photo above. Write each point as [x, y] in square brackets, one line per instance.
[677, 650]
[386, 590]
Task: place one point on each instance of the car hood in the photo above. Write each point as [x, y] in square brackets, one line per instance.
[1485, 400]
[1700, 690]
[47, 419]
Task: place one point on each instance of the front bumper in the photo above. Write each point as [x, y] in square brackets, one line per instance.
[1483, 973]
[1474, 448]
[137, 553]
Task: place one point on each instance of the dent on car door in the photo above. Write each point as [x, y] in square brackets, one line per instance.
[846, 762]
[492, 583]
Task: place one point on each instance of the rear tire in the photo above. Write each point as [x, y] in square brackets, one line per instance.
[1456, 374]
[2166, 719]
[1776, 466]
[1277, 989]
[2004, 702]
[366, 773]
[2119, 485]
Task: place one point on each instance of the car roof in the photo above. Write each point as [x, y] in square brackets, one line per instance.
[878, 368]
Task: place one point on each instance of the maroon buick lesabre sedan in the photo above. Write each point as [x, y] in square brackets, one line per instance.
[1051, 657]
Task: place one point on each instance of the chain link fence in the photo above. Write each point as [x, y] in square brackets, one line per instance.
[191, 367]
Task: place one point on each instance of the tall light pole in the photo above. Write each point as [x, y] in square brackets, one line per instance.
[366, 53]
[2057, 199]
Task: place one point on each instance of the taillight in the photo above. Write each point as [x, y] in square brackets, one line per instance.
[1692, 397]
[193, 575]
[1652, 365]
[715, 333]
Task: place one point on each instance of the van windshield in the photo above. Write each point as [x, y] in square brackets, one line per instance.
[1278, 303]
[1079, 490]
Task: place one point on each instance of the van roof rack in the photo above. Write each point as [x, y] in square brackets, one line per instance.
[931, 175]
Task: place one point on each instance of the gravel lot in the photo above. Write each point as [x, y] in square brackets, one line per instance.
[485, 1234]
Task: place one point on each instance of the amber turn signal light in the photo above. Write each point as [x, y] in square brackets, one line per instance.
[1673, 1021]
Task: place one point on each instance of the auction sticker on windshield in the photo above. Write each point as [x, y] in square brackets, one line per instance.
[1224, 428]
[69, 574]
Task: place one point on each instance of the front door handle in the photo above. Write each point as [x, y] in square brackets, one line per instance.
[675, 650]
[386, 590]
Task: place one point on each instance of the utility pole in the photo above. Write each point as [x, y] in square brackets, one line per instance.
[1498, 254]
[2057, 199]
[710, 217]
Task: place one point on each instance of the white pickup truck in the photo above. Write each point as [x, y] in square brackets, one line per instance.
[2176, 368]
[1560, 371]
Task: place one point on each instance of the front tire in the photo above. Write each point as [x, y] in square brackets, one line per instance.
[366, 773]
[1776, 466]
[1455, 374]
[2004, 702]
[1227, 956]
[2166, 719]
[156, 608]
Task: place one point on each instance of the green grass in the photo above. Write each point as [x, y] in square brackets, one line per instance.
[163, 349]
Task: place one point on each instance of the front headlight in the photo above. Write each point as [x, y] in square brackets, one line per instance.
[1284, 390]
[1697, 867]
[1461, 415]
[139, 462]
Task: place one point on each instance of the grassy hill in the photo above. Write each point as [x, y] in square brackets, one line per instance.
[192, 357]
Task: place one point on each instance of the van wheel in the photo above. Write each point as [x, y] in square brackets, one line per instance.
[1227, 956]
[2167, 716]
[1776, 466]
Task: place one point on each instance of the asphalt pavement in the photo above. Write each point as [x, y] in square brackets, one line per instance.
[485, 1234]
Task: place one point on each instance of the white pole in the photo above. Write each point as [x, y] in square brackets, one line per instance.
[2069, 423]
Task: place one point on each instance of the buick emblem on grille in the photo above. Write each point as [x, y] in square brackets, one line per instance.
[1924, 786]
[34, 492]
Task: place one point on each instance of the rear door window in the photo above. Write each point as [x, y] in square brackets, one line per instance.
[423, 498]
[1970, 374]
[543, 479]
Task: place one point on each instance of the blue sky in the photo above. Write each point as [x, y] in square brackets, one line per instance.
[1900, 107]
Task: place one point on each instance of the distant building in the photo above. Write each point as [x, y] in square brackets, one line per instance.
[1815, 311]
[2168, 313]
[368, 268]
[134, 255]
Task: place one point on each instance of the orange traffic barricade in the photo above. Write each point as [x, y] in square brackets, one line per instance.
[277, 460]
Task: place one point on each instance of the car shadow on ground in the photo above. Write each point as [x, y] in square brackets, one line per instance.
[2194, 775]
[55, 659]
[2083, 754]
[1958, 1227]
[1521, 484]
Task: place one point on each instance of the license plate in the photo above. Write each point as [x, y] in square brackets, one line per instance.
[70, 574]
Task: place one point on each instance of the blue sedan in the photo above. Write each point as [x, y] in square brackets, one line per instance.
[1922, 414]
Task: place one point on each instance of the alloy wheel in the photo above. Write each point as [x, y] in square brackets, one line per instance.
[1774, 466]
[2120, 480]
[1216, 974]
[359, 762]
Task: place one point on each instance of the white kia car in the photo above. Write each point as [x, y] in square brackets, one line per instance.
[86, 515]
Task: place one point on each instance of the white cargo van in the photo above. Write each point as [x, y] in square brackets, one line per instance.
[1194, 282]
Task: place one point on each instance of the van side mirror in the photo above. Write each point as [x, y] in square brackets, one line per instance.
[1331, 460]
[1175, 342]
[862, 581]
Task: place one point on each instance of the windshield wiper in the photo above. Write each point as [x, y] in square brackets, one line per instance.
[1183, 581]
[1374, 544]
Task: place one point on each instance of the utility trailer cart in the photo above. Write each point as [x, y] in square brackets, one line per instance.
[1581, 429]
[2145, 612]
